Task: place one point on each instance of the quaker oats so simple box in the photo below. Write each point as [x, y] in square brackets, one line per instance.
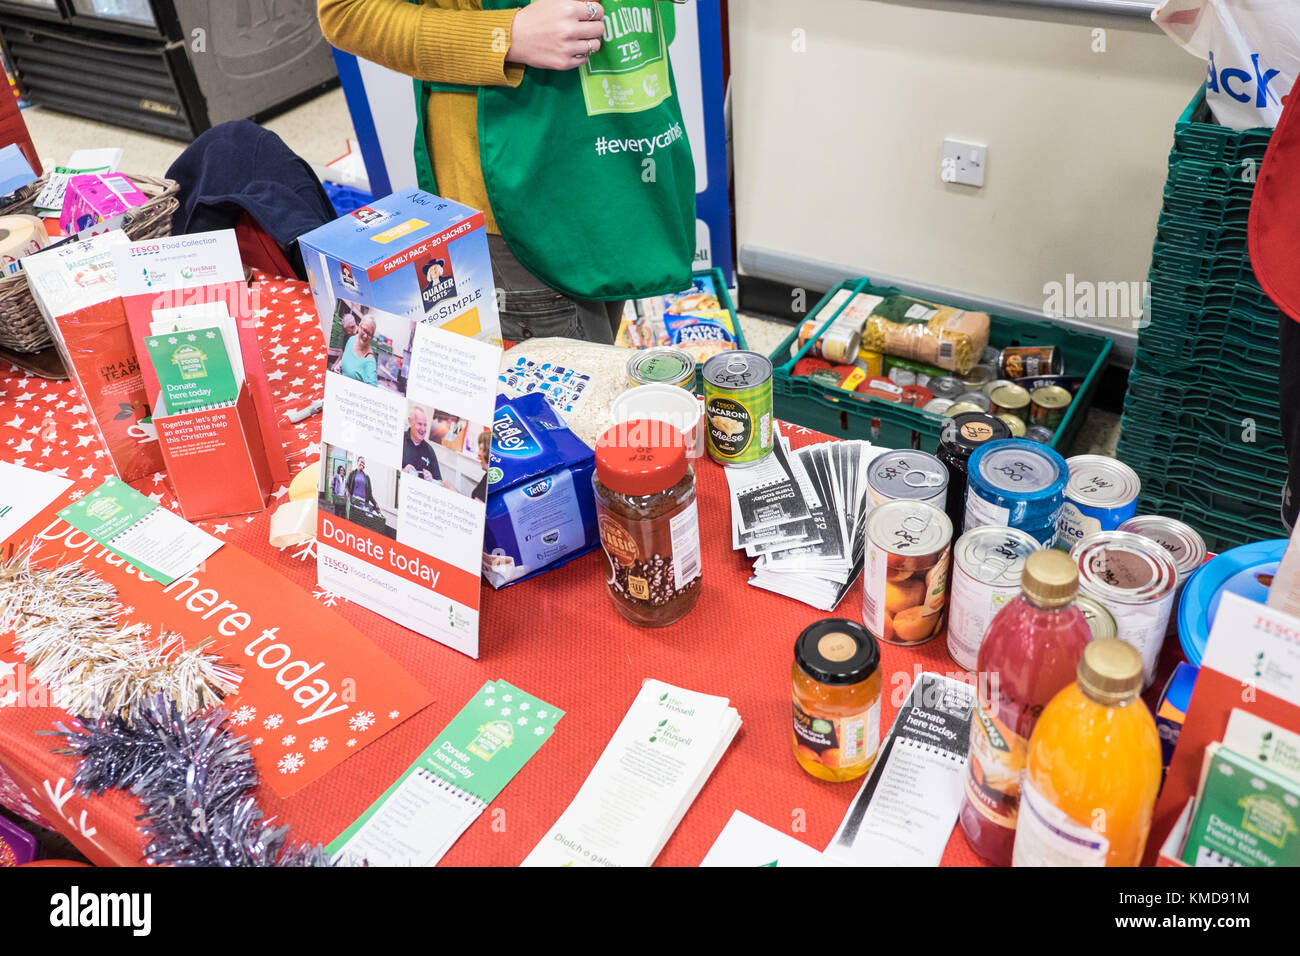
[409, 255]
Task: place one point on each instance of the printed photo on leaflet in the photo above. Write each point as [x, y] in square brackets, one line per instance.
[362, 492]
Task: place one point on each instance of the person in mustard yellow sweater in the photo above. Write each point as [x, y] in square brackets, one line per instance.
[560, 120]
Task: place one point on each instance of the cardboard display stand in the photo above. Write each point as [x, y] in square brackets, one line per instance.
[224, 460]
[404, 292]
[1252, 663]
[76, 289]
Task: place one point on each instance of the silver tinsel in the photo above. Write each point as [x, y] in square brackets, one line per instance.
[68, 628]
[147, 719]
[194, 778]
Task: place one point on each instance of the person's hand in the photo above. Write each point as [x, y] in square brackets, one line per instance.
[556, 34]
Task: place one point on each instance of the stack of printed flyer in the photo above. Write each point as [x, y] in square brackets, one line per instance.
[801, 515]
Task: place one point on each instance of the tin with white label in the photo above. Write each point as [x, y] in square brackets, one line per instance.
[1183, 543]
[986, 567]
[907, 475]
[1016, 483]
[905, 572]
[738, 407]
[1101, 495]
[1135, 580]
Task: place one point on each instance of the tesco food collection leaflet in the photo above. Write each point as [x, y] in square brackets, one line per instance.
[405, 295]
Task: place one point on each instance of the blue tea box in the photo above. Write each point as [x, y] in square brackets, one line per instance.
[411, 256]
[541, 510]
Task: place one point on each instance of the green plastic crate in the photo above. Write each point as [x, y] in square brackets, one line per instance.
[802, 401]
[1198, 137]
[1220, 532]
[1158, 395]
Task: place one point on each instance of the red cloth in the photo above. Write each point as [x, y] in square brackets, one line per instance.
[1274, 231]
[555, 636]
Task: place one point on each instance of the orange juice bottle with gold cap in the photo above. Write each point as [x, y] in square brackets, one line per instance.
[1093, 769]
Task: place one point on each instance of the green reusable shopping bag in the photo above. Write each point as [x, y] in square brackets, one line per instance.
[589, 171]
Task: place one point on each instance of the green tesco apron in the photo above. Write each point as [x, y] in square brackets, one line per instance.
[589, 171]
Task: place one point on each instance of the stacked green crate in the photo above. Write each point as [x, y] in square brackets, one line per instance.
[1201, 423]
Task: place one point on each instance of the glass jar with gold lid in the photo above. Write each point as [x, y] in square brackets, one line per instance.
[837, 690]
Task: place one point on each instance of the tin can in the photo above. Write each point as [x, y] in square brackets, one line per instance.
[959, 436]
[902, 376]
[1023, 361]
[1010, 400]
[1048, 405]
[839, 343]
[994, 385]
[977, 377]
[986, 567]
[662, 366]
[1185, 546]
[965, 408]
[907, 475]
[1014, 424]
[873, 363]
[945, 386]
[937, 406]
[991, 356]
[1101, 495]
[1037, 433]
[918, 396]
[905, 576]
[881, 388]
[1016, 484]
[978, 399]
[738, 407]
[1135, 579]
[1183, 543]
[1100, 621]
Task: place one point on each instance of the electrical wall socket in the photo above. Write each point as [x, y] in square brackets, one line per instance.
[963, 162]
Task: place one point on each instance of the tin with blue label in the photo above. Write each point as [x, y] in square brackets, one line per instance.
[1101, 495]
[1016, 483]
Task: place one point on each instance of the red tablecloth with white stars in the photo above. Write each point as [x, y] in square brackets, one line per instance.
[555, 636]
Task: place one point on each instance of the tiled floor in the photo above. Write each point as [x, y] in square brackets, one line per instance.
[318, 131]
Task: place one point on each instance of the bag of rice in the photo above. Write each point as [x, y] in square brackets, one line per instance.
[579, 379]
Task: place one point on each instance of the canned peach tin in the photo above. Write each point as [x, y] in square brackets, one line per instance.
[905, 572]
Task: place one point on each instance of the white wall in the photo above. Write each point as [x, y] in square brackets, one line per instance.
[838, 149]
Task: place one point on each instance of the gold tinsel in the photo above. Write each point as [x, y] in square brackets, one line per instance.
[67, 622]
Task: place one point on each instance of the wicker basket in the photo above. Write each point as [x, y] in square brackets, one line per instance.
[22, 327]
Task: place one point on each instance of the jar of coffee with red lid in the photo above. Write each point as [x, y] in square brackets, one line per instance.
[649, 521]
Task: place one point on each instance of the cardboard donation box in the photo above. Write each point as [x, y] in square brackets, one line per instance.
[405, 294]
[76, 287]
[193, 327]
[1232, 795]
